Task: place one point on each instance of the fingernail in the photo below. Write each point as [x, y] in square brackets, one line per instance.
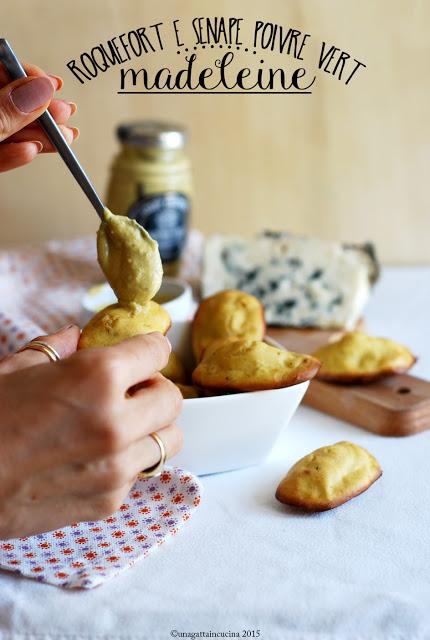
[38, 145]
[73, 107]
[56, 81]
[65, 328]
[32, 95]
[75, 132]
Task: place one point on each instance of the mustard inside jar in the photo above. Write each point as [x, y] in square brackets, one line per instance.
[151, 183]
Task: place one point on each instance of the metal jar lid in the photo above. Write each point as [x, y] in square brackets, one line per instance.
[153, 133]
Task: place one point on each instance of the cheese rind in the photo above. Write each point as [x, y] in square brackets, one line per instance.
[301, 281]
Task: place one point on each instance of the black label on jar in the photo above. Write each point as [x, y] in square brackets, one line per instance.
[165, 217]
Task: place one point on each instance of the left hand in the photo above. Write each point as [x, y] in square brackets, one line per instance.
[74, 434]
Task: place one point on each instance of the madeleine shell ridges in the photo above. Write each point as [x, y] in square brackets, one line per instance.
[251, 365]
[328, 477]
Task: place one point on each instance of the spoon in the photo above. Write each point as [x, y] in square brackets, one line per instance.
[15, 70]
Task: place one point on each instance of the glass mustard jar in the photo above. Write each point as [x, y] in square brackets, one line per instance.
[151, 183]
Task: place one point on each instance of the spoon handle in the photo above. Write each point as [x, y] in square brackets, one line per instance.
[48, 124]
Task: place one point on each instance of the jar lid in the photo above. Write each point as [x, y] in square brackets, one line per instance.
[152, 133]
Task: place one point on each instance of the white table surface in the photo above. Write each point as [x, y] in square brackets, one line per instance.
[246, 562]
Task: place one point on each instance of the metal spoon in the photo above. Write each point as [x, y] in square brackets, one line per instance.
[15, 70]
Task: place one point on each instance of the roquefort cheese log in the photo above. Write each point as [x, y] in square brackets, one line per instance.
[301, 281]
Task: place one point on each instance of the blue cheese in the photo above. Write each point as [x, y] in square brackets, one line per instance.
[301, 281]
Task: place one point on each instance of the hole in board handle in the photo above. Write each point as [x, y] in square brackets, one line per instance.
[403, 390]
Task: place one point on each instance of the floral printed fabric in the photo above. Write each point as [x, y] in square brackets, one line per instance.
[86, 554]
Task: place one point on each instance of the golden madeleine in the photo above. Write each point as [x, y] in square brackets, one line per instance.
[328, 477]
[188, 391]
[175, 370]
[357, 357]
[240, 364]
[227, 313]
[119, 322]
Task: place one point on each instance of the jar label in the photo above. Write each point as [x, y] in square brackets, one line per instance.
[165, 217]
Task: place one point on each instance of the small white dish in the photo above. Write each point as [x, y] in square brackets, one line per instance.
[175, 296]
[222, 433]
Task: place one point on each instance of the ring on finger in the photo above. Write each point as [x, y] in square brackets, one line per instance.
[43, 347]
[157, 468]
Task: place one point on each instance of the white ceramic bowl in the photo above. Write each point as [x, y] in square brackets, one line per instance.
[228, 432]
[177, 294]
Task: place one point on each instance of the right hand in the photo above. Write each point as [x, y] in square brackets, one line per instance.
[72, 439]
[21, 103]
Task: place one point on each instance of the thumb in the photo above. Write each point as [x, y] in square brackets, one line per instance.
[63, 341]
[23, 101]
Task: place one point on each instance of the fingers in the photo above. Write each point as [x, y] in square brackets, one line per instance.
[99, 431]
[159, 401]
[39, 515]
[31, 70]
[139, 358]
[115, 471]
[22, 102]
[105, 474]
[146, 453]
[86, 492]
[17, 154]
[65, 342]
[112, 373]
[22, 147]
[62, 110]
[35, 133]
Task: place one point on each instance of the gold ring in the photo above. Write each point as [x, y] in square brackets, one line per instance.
[44, 347]
[156, 469]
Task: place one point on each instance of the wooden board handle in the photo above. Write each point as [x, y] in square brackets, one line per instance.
[395, 406]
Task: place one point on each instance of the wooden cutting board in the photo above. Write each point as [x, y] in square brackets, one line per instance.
[395, 406]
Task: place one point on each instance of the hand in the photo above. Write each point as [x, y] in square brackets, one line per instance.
[74, 433]
[21, 103]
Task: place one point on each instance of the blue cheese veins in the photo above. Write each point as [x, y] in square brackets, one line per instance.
[301, 281]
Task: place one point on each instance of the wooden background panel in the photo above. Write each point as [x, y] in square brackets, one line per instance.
[349, 162]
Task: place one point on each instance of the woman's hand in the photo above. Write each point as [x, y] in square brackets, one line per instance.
[74, 434]
[21, 103]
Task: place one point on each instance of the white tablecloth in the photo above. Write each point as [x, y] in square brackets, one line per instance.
[247, 563]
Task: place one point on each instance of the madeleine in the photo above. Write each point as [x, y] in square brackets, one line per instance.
[119, 322]
[227, 313]
[359, 358]
[188, 391]
[328, 477]
[238, 364]
[175, 370]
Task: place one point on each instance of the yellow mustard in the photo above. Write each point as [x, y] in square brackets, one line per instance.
[151, 183]
[129, 258]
